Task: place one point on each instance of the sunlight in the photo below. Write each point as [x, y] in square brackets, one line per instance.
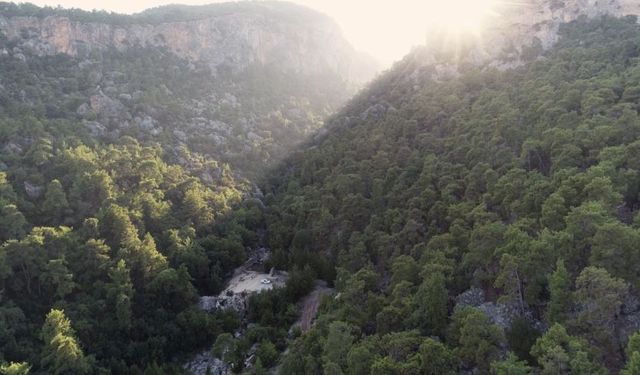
[459, 16]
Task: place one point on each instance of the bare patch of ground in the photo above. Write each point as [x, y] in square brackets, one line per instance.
[245, 281]
[310, 305]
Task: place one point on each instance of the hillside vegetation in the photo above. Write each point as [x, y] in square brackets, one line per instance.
[486, 222]
[126, 193]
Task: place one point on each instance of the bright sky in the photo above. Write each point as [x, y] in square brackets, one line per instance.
[385, 29]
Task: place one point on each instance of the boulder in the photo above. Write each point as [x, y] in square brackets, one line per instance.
[224, 302]
[125, 97]
[629, 319]
[105, 106]
[33, 191]
[83, 110]
[377, 111]
[501, 314]
[12, 149]
[206, 364]
[208, 303]
[147, 123]
[95, 128]
[473, 297]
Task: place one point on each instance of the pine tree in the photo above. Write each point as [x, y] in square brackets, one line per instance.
[432, 301]
[510, 282]
[633, 365]
[120, 293]
[62, 353]
[436, 359]
[510, 366]
[15, 368]
[560, 290]
[55, 203]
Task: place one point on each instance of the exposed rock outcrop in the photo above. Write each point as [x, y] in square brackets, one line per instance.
[206, 364]
[501, 314]
[224, 302]
[33, 191]
[293, 38]
[519, 30]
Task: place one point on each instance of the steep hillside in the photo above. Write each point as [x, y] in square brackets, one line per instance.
[240, 82]
[487, 222]
[126, 142]
[517, 32]
[226, 37]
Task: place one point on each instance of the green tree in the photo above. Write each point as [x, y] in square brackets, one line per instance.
[15, 368]
[478, 339]
[267, 353]
[55, 204]
[13, 224]
[511, 366]
[120, 293]
[62, 353]
[360, 358]
[436, 359]
[432, 300]
[57, 275]
[560, 294]
[559, 353]
[614, 248]
[404, 268]
[331, 368]
[258, 368]
[510, 282]
[633, 345]
[633, 365]
[225, 348]
[338, 344]
[599, 297]
[632, 352]
[554, 211]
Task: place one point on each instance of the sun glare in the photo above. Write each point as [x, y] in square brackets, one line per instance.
[459, 16]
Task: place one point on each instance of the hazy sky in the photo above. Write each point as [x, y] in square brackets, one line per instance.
[385, 29]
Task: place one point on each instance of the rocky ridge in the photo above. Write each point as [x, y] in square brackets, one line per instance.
[517, 32]
[240, 84]
[229, 40]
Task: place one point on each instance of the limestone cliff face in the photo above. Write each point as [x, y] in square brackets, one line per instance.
[232, 40]
[525, 23]
[518, 27]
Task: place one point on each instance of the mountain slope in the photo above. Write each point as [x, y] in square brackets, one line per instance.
[243, 83]
[490, 213]
[127, 169]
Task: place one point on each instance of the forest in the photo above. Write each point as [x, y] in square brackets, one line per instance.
[486, 223]
[125, 197]
[482, 224]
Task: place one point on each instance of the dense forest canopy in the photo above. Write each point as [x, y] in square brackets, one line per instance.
[485, 222]
[482, 224]
[126, 193]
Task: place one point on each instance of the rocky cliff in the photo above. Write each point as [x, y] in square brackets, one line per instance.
[240, 82]
[268, 33]
[518, 31]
